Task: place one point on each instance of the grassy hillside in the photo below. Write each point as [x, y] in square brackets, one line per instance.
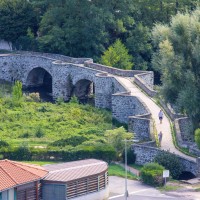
[40, 123]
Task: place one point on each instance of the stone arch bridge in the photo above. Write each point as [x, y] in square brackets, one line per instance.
[112, 88]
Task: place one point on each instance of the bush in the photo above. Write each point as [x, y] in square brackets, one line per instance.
[39, 132]
[3, 144]
[23, 152]
[151, 174]
[130, 156]
[74, 99]
[60, 100]
[73, 141]
[170, 162]
[17, 91]
[103, 152]
[197, 137]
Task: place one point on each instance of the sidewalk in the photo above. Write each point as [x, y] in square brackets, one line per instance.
[129, 169]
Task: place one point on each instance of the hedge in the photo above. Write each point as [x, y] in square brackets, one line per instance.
[103, 152]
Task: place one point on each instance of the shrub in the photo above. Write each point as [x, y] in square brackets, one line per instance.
[23, 152]
[25, 135]
[130, 156]
[60, 100]
[3, 144]
[74, 99]
[73, 141]
[197, 137]
[17, 91]
[39, 132]
[170, 162]
[151, 174]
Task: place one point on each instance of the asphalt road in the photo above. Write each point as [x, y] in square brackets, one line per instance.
[139, 191]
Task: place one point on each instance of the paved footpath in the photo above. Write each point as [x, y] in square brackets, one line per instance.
[167, 142]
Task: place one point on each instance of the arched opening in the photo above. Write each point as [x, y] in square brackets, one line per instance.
[84, 90]
[185, 175]
[39, 80]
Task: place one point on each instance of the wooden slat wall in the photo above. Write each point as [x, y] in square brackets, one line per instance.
[87, 185]
[28, 192]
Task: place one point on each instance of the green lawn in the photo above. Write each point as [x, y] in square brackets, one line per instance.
[116, 170]
[135, 166]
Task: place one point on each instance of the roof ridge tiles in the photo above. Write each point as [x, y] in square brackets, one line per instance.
[28, 165]
[16, 164]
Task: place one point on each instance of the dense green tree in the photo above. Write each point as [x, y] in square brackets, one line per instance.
[117, 56]
[178, 60]
[139, 45]
[77, 29]
[16, 16]
[152, 11]
[171, 162]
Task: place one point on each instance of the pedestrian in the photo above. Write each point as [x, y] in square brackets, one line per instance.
[160, 137]
[160, 116]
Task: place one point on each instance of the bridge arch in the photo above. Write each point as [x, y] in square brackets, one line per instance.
[84, 88]
[186, 175]
[39, 79]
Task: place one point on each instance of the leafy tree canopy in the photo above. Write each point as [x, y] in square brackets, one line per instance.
[117, 56]
[16, 16]
[178, 60]
[116, 138]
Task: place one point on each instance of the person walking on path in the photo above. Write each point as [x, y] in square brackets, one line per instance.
[160, 137]
[160, 116]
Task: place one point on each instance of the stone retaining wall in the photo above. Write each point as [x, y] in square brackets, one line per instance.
[184, 129]
[146, 154]
[141, 127]
[170, 112]
[125, 105]
[130, 109]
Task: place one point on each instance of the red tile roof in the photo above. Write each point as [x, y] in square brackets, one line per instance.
[65, 172]
[16, 173]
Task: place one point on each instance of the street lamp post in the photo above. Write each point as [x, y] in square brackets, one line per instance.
[126, 188]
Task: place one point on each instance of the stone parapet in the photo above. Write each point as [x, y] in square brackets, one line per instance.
[145, 82]
[146, 154]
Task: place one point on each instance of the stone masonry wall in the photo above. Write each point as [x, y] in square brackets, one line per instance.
[125, 105]
[143, 78]
[66, 59]
[141, 127]
[146, 154]
[145, 82]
